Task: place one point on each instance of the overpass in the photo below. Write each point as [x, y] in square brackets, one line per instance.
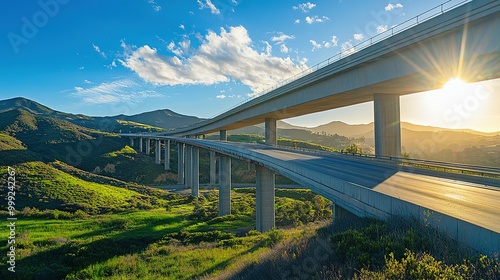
[462, 42]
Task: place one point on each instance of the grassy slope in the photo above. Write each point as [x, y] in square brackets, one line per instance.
[143, 244]
[43, 186]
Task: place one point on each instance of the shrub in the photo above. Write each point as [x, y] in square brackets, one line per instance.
[274, 236]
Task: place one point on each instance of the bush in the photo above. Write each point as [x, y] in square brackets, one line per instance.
[197, 237]
[416, 266]
[274, 236]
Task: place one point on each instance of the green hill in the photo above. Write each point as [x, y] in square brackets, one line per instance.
[43, 186]
[35, 130]
[8, 142]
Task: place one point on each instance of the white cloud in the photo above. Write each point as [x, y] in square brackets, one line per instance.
[98, 50]
[297, 21]
[335, 41]
[325, 44]
[391, 7]
[209, 5]
[358, 36]
[281, 38]
[347, 47]
[311, 20]
[220, 58]
[381, 28]
[87, 81]
[155, 6]
[315, 45]
[284, 48]
[222, 96]
[116, 91]
[112, 65]
[305, 7]
[182, 27]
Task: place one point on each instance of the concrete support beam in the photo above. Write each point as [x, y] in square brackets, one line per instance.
[195, 166]
[224, 186]
[148, 146]
[387, 125]
[189, 167]
[157, 152]
[167, 155]
[180, 163]
[213, 171]
[140, 145]
[223, 135]
[132, 142]
[271, 132]
[265, 183]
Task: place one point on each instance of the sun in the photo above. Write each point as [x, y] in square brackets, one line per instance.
[454, 85]
[453, 92]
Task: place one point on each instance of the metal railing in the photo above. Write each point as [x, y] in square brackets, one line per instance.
[476, 170]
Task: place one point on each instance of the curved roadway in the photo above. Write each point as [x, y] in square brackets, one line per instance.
[462, 199]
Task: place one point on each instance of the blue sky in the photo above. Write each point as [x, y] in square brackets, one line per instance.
[195, 57]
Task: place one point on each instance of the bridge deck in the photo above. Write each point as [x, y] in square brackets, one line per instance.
[465, 200]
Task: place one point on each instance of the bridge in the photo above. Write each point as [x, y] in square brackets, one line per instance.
[463, 42]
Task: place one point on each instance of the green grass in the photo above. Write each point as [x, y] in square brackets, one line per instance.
[142, 244]
[8, 142]
[135, 126]
[45, 187]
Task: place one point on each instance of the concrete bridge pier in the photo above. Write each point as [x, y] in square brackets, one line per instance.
[189, 167]
[340, 213]
[271, 132]
[157, 152]
[387, 125]
[224, 185]
[265, 212]
[148, 146]
[195, 172]
[140, 145]
[213, 171]
[180, 163]
[167, 155]
[131, 142]
[223, 135]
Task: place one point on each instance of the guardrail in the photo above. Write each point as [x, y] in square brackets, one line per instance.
[468, 169]
[477, 170]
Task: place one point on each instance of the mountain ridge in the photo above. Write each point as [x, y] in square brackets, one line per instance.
[169, 119]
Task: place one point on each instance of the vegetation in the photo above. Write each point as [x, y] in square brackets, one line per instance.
[370, 249]
[144, 243]
[44, 187]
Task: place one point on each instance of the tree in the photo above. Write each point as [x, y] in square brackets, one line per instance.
[352, 148]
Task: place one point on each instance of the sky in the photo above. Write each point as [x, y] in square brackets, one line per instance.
[202, 57]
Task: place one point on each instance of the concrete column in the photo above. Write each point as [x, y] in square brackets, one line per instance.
[271, 132]
[148, 146]
[387, 125]
[157, 152]
[180, 164]
[132, 142]
[195, 189]
[223, 135]
[264, 195]
[167, 155]
[224, 186]
[140, 145]
[213, 171]
[189, 167]
[340, 213]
